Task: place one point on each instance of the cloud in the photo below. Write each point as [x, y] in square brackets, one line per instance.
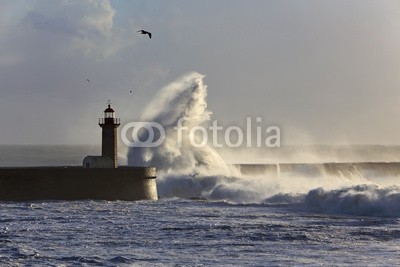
[47, 49]
[68, 28]
[302, 65]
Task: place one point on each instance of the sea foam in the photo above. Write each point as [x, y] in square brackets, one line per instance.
[186, 171]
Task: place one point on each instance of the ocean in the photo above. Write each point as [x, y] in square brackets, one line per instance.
[212, 211]
[297, 218]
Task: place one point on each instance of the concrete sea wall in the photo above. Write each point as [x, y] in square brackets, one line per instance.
[74, 183]
[346, 169]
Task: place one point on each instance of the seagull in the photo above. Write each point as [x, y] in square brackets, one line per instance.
[145, 32]
[87, 80]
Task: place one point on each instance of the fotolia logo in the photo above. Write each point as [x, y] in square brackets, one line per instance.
[152, 134]
[233, 136]
[144, 130]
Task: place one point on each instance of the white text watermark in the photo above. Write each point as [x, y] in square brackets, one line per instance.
[153, 134]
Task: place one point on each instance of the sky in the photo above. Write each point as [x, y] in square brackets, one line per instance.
[325, 72]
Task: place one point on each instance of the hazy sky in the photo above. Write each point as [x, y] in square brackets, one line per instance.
[326, 72]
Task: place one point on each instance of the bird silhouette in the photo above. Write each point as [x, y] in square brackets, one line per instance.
[130, 91]
[87, 80]
[145, 32]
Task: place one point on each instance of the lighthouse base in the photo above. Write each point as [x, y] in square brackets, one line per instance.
[77, 183]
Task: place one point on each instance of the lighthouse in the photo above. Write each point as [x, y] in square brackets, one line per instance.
[99, 178]
[109, 143]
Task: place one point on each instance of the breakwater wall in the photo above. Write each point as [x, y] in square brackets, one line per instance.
[75, 183]
[342, 168]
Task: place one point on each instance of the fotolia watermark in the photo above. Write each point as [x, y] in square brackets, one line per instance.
[152, 134]
[144, 130]
[232, 136]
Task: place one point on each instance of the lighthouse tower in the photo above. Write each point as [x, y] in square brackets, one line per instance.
[109, 125]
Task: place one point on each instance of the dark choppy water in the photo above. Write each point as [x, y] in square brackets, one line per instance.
[190, 232]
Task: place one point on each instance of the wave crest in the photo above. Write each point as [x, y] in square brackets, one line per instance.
[200, 172]
[369, 200]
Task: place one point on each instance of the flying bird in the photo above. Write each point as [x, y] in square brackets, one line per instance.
[87, 80]
[145, 32]
[130, 91]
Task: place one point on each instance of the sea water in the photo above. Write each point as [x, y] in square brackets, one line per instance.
[289, 229]
[209, 212]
